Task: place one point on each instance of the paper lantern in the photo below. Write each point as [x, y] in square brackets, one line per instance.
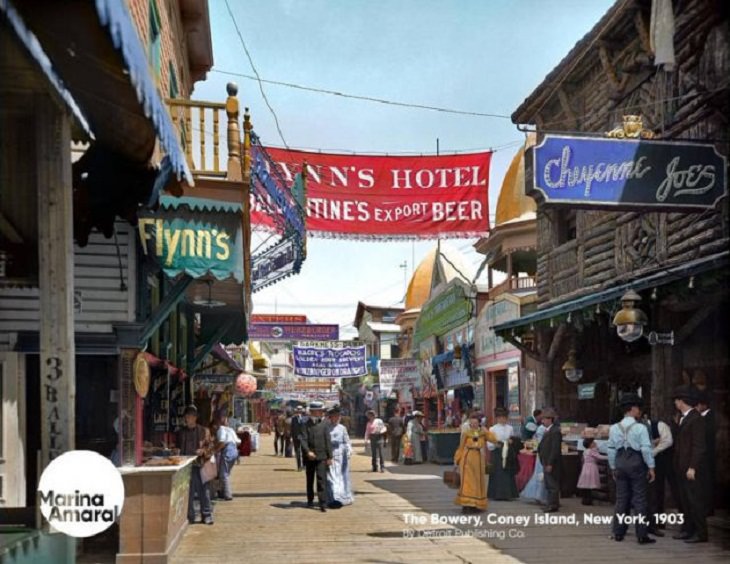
[245, 384]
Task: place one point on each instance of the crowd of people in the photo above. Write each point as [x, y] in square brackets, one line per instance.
[643, 455]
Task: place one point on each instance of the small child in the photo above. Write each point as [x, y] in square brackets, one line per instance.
[590, 478]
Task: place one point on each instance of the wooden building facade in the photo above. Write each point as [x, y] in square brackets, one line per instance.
[676, 261]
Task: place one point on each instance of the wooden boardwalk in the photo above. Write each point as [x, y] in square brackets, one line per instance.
[268, 521]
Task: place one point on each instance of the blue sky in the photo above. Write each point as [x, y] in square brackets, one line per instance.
[474, 55]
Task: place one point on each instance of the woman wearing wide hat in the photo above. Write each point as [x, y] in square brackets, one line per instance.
[503, 458]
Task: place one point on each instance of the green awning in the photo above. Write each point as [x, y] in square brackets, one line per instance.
[666, 276]
[199, 204]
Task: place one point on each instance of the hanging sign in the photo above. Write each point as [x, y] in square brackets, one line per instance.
[322, 360]
[195, 242]
[398, 374]
[277, 318]
[388, 197]
[442, 314]
[593, 172]
[292, 332]
[586, 391]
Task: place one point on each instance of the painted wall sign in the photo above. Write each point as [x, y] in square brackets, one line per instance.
[595, 172]
[386, 197]
[489, 344]
[586, 391]
[197, 243]
[328, 362]
[398, 374]
[445, 312]
[293, 332]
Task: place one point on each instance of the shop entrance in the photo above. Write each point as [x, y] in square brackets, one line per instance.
[12, 431]
[496, 393]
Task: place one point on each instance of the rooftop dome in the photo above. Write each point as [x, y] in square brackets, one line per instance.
[419, 288]
[513, 203]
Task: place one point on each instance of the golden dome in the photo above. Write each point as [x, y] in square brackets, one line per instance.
[419, 288]
[512, 202]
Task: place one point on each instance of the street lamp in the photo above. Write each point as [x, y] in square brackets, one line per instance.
[571, 368]
[630, 320]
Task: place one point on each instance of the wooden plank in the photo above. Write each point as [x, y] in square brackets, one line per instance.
[55, 275]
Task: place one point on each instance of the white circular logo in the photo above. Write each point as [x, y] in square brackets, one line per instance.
[81, 493]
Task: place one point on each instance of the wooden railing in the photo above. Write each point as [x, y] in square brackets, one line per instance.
[202, 138]
[518, 284]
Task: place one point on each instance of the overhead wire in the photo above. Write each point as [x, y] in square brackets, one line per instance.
[363, 98]
[258, 77]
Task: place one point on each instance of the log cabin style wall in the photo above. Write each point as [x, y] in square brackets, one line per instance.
[616, 77]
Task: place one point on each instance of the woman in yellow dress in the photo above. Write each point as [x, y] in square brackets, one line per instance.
[472, 495]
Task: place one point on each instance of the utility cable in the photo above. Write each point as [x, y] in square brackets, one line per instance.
[365, 98]
[257, 78]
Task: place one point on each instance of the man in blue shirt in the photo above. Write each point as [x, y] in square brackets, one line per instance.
[632, 462]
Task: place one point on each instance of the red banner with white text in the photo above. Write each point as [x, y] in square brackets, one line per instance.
[390, 197]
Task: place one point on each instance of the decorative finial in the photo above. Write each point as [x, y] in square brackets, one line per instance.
[232, 88]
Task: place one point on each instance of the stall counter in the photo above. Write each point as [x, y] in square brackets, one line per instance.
[154, 517]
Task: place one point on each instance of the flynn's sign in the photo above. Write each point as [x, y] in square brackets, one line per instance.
[197, 243]
[591, 172]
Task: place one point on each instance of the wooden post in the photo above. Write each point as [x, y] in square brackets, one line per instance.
[233, 172]
[55, 278]
[246, 195]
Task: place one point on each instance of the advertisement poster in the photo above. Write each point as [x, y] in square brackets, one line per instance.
[330, 362]
[386, 197]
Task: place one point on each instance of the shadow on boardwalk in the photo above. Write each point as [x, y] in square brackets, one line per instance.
[422, 486]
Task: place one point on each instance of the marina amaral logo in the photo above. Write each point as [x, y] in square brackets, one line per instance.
[81, 493]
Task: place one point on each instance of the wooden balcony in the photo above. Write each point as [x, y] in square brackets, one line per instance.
[514, 285]
[210, 135]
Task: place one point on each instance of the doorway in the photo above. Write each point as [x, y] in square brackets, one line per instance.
[12, 430]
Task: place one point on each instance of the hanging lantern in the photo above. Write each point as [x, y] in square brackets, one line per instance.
[245, 384]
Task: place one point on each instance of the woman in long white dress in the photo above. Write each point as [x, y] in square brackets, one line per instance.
[339, 484]
[535, 490]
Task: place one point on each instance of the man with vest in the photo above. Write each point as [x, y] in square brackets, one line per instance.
[632, 462]
[661, 440]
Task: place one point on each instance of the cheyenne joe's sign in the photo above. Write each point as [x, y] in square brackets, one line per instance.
[330, 361]
[599, 173]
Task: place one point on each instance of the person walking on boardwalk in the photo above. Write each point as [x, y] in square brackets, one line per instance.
[317, 448]
[472, 494]
[395, 431]
[227, 442]
[690, 466]
[632, 462]
[374, 432]
[550, 457]
[297, 425]
[339, 484]
[195, 440]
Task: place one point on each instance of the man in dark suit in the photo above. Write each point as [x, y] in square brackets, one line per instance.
[550, 457]
[317, 450]
[691, 466]
[703, 408]
[297, 426]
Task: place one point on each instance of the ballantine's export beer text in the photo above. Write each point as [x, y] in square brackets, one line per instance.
[184, 242]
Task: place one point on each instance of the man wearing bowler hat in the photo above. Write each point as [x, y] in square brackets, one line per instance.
[317, 450]
[549, 451]
[690, 466]
[632, 462]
